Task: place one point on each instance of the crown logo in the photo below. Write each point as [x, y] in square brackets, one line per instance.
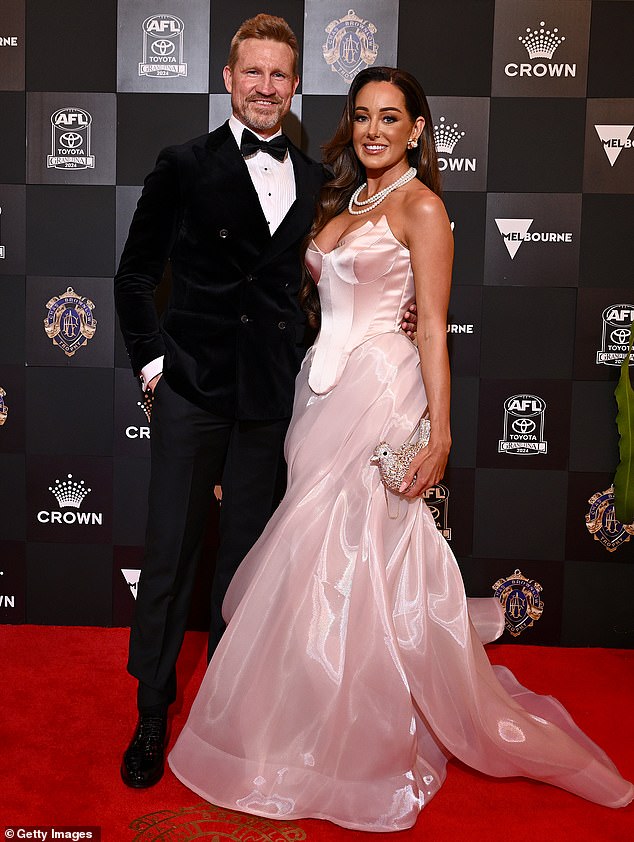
[446, 136]
[146, 404]
[69, 493]
[541, 43]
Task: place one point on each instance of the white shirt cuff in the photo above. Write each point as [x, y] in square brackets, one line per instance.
[151, 370]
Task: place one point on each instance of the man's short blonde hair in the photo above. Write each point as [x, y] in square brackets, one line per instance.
[265, 27]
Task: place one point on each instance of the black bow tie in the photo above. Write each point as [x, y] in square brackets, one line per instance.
[276, 147]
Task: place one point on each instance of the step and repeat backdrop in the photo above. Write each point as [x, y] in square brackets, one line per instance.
[533, 109]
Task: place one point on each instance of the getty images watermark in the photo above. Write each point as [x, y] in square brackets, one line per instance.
[44, 833]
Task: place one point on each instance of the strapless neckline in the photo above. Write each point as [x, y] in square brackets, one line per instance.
[367, 226]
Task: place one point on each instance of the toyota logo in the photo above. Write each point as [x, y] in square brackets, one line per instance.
[621, 336]
[523, 425]
[163, 47]
[71, 140]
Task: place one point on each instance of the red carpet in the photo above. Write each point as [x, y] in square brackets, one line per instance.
[68, 712]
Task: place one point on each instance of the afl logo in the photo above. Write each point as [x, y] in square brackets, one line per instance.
[615, 339]
[163, 47]
[523, 426]
[350, 46]
[70, 140]
[437, 500]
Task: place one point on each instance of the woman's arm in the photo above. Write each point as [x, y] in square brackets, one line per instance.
[430, 241]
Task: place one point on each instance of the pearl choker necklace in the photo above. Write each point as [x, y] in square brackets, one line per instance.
[368, 205]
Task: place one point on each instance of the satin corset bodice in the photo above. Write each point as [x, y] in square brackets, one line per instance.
[365, 286]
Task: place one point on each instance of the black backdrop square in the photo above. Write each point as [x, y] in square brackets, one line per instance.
[12, 228]
[73, 590]
[69, 411]
[49, 520]
[593, 432]
[320, 116]
[464, 421]
[607, 244]
[131, 479]
[593, 334]
[506, 526]
[450, 54]
[13, 296]
[146, 123]
[527, 332]
[610, 68]
[467, 213]
[71, 46]
[12, 146]
[13, 508]
[98, 350]
[12, 582]
[536, 145]
[481, 574]
[597, 604]
[464, 322]
[131, 425]
[459, 509]
[70, 229]
[12, 432]
[491, 414]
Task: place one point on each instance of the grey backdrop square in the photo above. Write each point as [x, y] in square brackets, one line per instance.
[461, 131]
[550, 257]
[608, 165]
[12, 55]
[12, 229]
[356, 38]
[560, 67]
[163, 46]
[97, 351]
[49, 158]
[220, 111]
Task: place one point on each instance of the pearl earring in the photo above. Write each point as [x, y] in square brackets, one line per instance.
[412, 143]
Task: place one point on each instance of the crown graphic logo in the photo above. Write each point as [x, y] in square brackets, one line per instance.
[541, 43]
[69, 493]
[446, 136]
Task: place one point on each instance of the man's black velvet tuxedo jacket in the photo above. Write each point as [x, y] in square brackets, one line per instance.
[233, 332]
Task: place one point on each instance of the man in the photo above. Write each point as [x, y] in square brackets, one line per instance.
[230, 214]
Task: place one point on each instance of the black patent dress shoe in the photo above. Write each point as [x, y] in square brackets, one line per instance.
[144, 758]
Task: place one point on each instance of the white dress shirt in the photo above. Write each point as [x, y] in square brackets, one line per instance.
[274, 182]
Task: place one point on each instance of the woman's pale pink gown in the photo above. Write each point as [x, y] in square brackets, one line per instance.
[352, 666]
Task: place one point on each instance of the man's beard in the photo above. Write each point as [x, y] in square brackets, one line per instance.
[259, 121]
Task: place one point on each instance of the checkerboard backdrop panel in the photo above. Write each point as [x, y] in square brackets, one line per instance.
[533, 104]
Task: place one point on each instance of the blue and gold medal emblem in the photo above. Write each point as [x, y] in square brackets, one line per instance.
[521, 601]
[69, 322]
[4, 409]
[350, 46]
[601, 521]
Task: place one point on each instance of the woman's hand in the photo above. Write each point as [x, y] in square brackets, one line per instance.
[427, 468]
[410, 322]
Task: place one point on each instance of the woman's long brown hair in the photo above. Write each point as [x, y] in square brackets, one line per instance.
[347, 173]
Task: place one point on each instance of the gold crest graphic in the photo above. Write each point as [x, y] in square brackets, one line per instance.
[602, 524]
[350, 46]
[69, 322]
[4, 409]
[521, 601]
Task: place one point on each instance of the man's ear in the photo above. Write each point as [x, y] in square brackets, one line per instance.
[227, 75]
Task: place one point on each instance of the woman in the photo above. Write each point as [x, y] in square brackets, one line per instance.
[351, 668]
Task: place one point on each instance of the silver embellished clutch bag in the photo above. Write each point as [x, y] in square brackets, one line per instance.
[393, 463]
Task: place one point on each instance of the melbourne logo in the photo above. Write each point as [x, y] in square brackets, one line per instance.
[143, 432]
[132, 579]
[523, 426]
[1, 246]
[8, 40]
[520, 598]
[541, 44]
[615, 339]
[446, 137]
[350, 45]
[601, 521]
[69, 321]
[4, 409]
[163, 51]
[614, 140]
[437, 499]
[515, 232]
[70, 140]
[70, 495]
